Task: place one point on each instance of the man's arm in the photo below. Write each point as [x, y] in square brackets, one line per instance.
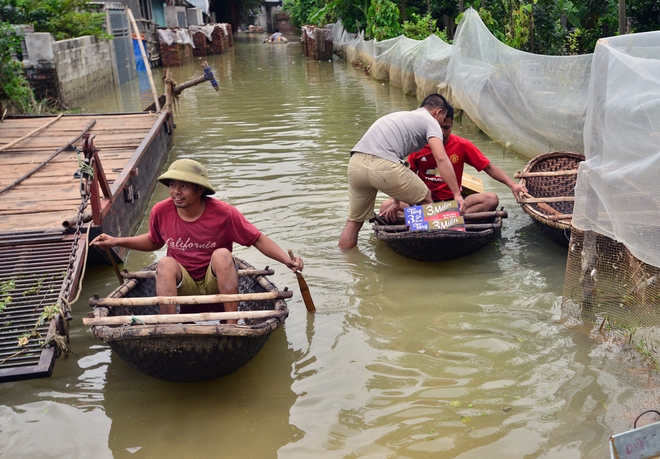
[446, 170]
[269, 248]
[142, 242]
[499, 175]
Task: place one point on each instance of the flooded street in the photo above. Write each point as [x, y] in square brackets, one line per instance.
[464, 359]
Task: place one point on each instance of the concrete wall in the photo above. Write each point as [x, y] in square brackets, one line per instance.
[83, 67]
[68, 70]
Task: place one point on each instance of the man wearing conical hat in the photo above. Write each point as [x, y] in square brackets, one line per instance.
[199, 232]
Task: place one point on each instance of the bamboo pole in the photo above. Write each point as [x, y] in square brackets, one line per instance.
[144, 58]
[545, 174]
[553, 199]
[468, 227]
[191, 299]
[485, 215]
[181, 318]
[152, 274]
[30, 134]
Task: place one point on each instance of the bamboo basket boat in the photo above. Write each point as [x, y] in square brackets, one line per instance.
[442, 245]
[187, 347]
[550, 180]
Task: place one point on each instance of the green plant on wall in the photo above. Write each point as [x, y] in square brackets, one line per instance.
[15, 92]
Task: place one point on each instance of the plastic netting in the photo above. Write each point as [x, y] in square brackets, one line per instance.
[607, 286]
[611, 271]
[530, 103]
[617, 191]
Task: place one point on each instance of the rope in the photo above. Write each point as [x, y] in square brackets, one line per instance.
[61, 343]
[135, 320]
[85, 169]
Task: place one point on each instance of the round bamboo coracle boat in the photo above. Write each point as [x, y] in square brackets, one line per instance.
[550, 180]
[442, 245]
[194, 347]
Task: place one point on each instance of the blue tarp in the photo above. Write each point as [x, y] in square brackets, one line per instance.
[139, 62]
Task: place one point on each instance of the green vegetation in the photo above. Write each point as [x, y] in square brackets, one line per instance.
[62, 18]
[5, 297]
[554, 27]
[420, 27]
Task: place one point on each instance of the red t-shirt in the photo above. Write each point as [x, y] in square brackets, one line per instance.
[191, 244]
[459, 151]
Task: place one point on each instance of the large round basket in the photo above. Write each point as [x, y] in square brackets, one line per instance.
[189, 352]
[557, 180]
[437, 245]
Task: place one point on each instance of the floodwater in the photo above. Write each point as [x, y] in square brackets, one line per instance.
[465, 359]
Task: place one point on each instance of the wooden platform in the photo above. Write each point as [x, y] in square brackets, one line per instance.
[40, 199]
[52, 194]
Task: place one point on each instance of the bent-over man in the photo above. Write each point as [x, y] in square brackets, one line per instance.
[460, 152]
[377, 164]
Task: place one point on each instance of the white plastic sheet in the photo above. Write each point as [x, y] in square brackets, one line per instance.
[531, 103]
[617, 191]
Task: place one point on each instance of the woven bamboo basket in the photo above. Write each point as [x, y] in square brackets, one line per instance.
[441, 245]
[555, 181]
[189, 352]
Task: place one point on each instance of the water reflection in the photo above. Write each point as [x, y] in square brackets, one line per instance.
[462, 359]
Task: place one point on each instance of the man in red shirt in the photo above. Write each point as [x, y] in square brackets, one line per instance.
[199, 232]
[460, 152]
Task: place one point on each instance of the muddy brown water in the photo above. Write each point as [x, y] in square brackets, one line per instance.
[465, 359]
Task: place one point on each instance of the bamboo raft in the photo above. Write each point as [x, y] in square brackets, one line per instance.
[550, 179]
[442, 245]
[188, 347]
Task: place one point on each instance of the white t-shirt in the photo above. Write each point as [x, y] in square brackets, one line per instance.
[395, 136]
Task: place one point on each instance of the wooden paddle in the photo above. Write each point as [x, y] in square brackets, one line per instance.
[304, 289]
[114, 265]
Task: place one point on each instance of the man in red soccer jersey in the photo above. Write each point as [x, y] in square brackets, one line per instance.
[199, 232]
[460, 152]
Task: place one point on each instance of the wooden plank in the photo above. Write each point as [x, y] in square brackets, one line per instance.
[29, 134]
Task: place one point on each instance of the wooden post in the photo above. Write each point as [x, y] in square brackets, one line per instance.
[622, 17]
[144, 58]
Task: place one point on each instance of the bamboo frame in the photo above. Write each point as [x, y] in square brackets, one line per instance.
[553, 199]
[191, 299]
[544, 174]
[472, 227]
[158, 319]
[152, 274]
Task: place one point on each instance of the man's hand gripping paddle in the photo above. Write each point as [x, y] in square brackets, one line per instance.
[304, 289]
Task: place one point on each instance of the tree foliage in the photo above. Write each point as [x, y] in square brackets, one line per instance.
[555, 27]
[62, 18]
